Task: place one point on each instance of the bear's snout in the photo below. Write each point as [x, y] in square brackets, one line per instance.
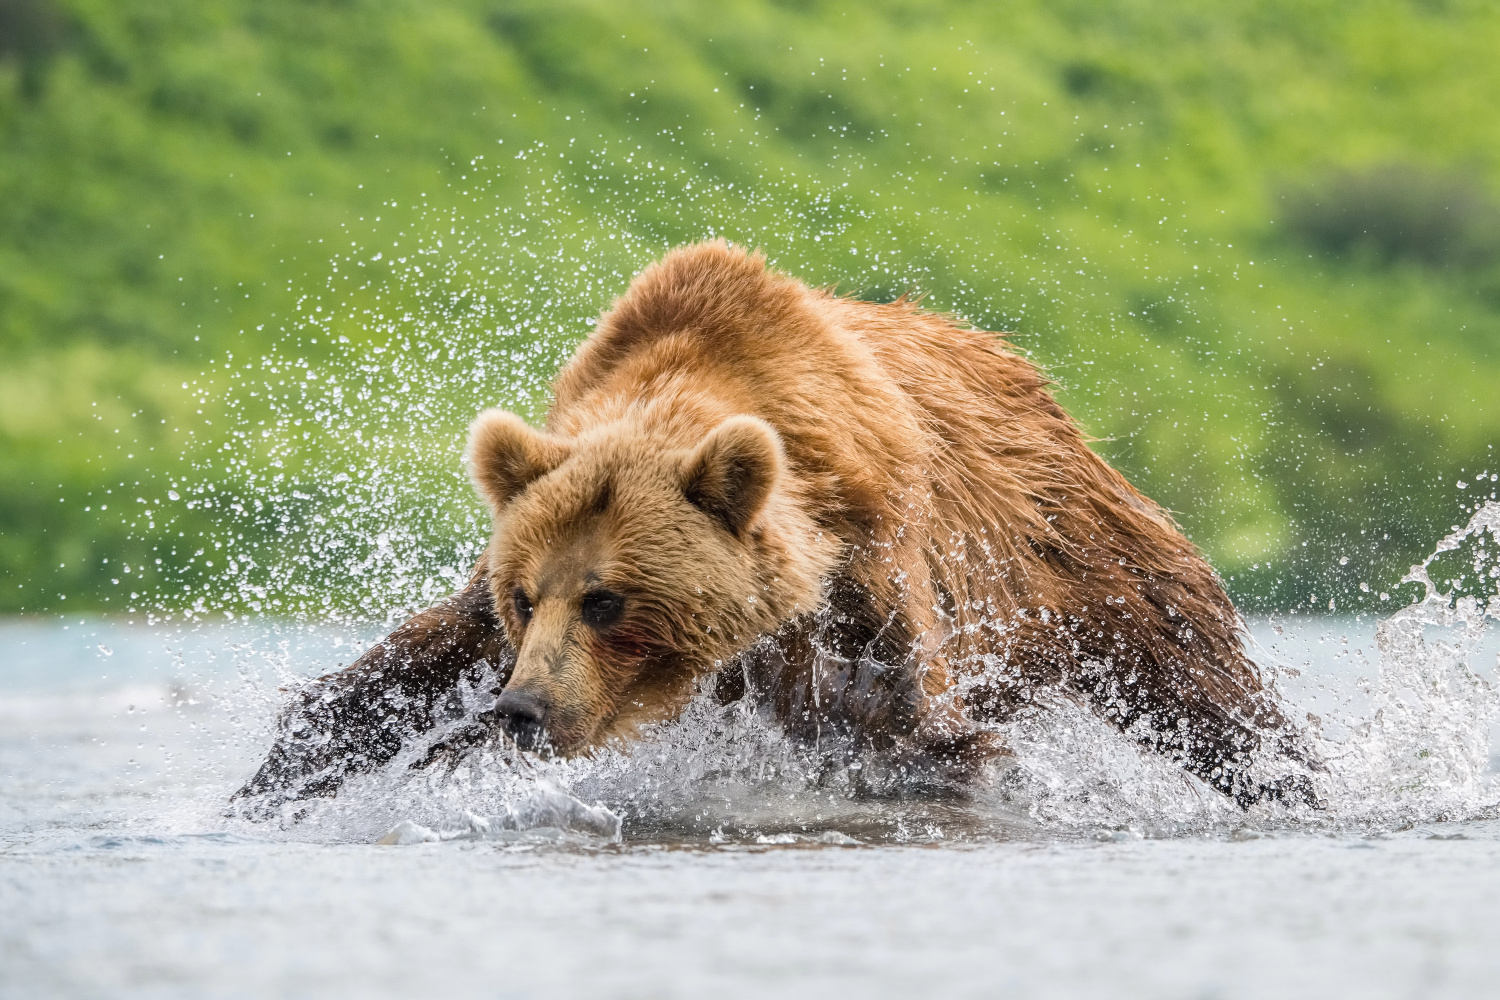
[524, 715]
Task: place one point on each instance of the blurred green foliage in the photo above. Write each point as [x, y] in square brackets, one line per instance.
[1255, 241]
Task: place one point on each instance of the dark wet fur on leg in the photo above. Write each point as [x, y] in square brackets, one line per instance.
[360, 718]
[846, 682]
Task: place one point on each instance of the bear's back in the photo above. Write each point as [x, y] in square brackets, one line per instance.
[895, 416]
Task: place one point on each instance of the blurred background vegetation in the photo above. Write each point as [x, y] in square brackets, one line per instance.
[1256, 242]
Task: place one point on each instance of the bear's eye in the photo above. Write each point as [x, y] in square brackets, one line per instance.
[601, 608]
[523, 605]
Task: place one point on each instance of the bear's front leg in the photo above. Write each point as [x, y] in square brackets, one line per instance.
[360, 718]
[853, 680]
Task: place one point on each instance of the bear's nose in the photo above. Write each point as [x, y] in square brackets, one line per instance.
[524, 714]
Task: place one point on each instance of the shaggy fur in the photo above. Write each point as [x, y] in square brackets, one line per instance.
[876, 521]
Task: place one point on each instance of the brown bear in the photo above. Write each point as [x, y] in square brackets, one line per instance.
[875, 520]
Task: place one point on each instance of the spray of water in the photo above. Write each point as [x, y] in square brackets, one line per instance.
[1419, 753]
[347, 501]
[1423, 753]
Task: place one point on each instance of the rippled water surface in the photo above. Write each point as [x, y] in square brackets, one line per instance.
[1080, 868]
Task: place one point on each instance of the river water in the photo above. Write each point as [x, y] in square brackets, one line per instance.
[1081, 868]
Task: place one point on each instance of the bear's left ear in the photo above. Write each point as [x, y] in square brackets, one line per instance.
[731, 474]
[505, 455]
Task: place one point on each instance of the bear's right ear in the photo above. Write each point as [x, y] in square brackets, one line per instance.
[506, 455]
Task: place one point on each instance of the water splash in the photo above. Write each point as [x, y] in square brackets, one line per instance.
[1423, 754]
[544, 812]
[1418, 752]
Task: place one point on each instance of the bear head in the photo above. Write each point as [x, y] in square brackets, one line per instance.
[623, 568]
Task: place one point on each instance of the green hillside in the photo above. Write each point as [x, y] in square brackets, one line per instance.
[260, 262]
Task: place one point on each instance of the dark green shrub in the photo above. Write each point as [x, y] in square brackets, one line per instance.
[1397, 212]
